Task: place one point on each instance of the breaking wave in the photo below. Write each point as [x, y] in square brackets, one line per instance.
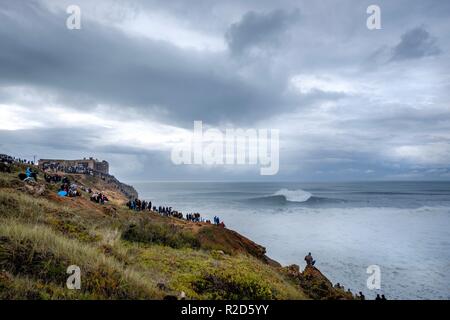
[284, 196]
[293, 195]
[298, 197]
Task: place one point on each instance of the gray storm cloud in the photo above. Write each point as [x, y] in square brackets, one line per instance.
[414, 44]
[138, 73]
[259, 30]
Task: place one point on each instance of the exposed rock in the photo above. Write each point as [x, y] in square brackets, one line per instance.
[231, 242]
[293, 271]
[317, 286]
[110, 211]
[34, 188]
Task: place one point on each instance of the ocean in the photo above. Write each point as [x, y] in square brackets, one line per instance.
[402, 227]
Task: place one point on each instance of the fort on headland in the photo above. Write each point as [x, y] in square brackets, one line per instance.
[87, 166]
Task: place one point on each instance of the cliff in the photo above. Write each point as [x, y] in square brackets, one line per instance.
[124, 254]
[107, 181]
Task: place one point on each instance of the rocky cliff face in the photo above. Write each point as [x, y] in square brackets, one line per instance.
[129, 191]
[315, 284]
[108, 184]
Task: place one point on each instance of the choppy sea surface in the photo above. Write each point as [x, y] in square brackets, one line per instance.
[403, 227]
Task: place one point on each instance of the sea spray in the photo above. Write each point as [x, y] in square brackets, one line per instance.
[294, 195]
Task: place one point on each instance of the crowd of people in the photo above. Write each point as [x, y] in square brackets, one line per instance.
[99, 197]
[72, 190]
[168, 212]
[68, 189]
[5, 163]
[52, 178]
[139, 205]
[21, 161]
[53, 167]
[79, 169]
[28, 175]
[6, 159]
[194, 217]
[142, 205]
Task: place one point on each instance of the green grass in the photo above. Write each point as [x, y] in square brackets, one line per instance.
[187, 269]
[160, 233]
[39, 253]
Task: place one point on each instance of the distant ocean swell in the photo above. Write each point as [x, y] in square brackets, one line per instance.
[285, 196]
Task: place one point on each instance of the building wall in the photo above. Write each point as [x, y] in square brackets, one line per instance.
[102, 167]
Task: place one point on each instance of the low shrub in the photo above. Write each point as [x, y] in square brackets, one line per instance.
[21, 258]
[163, 234]
[72, 229]
[42, 256]
[233, 286]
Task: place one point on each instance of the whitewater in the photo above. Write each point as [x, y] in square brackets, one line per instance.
[293, 195]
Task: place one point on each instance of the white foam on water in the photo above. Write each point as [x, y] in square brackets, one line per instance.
[294, 195]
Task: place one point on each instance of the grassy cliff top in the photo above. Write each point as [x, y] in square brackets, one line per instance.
[124, 254]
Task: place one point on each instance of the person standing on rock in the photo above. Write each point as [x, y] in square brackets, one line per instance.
[309, 260]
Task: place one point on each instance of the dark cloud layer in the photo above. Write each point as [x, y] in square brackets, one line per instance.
[415, 44]
[259, 30]
[306, 68]
[103, 65]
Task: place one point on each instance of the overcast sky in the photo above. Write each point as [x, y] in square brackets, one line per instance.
[350, 103]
